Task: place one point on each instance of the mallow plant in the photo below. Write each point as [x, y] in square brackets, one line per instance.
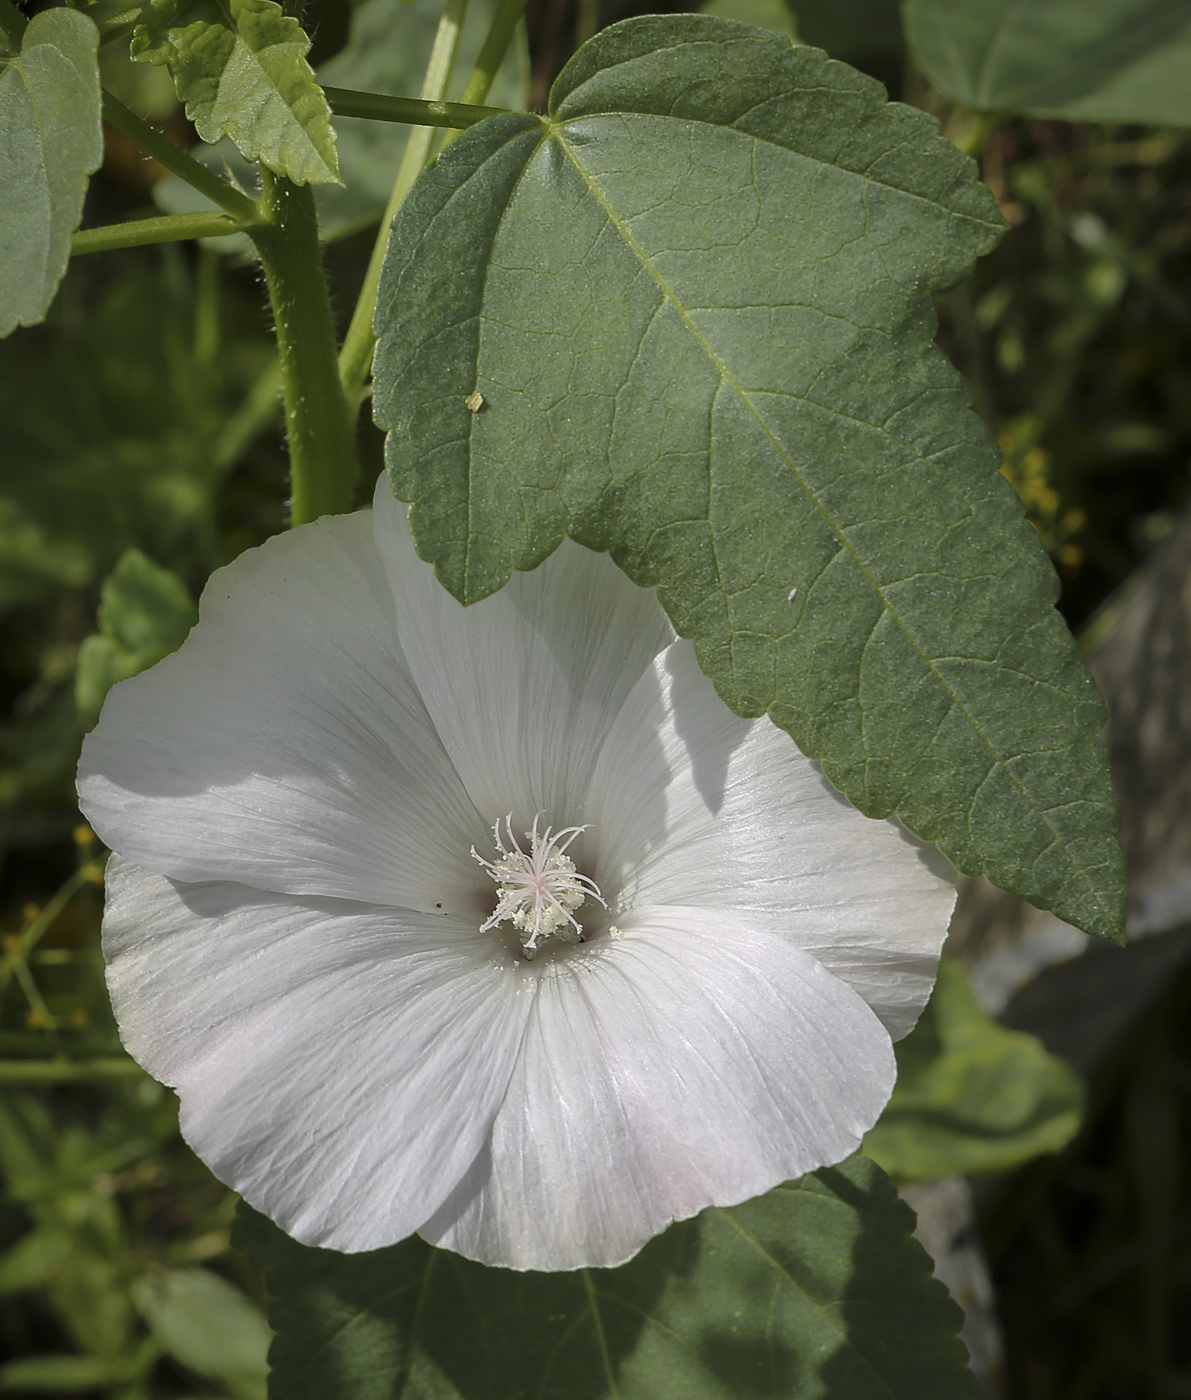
[523, 880]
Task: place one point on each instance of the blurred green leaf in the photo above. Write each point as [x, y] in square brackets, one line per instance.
[206, 1323]
[56, 1173]
[972, 1096]
[1107, 61]
[815, 1289]
[51, 139]
[145, 613]
[240, 67]
[765, 14]
[865, 33]
[116, 431]
[387, 51]
[696, 302]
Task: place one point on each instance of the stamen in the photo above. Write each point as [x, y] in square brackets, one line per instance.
[539, 889]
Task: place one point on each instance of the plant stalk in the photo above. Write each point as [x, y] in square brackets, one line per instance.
[169, 228]
[163, 150]
[322, 455]
[412, 111]
[355, 359]
[13, 1072]
[492, 55]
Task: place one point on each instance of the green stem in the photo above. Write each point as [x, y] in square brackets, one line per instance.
[322, 457]
[412, 111]
[67, 1071]
[169, 228]
[163, 150]
[355, 359]
[492, 55]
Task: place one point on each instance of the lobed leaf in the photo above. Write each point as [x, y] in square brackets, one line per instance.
[1111, 61]
[51, 140]
[696, 301]
[971, 1095]
[240, 67]
[815, 1289]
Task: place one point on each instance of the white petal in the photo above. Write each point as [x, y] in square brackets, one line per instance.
[338, 1064]
[524, 685]
[692, 805]
[285, 746]
[694, 1062]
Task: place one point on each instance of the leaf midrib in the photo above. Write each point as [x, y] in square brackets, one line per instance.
[726, 375]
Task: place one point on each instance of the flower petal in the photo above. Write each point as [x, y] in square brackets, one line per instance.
[692, 805]
[285, 745]
[524, 685]
[693, 1062]
[338, 1064]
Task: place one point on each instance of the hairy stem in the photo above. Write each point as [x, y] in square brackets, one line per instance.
[356, 357]
[322, 457]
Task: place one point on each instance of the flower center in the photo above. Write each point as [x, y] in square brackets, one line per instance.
[539, 890]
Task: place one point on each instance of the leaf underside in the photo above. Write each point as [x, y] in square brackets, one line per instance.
[51, 140]
[696, 301]
[1112, 61]
[815, 1289]
[241, 70]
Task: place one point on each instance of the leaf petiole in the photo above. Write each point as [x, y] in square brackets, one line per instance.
[169, 228]
[413, 111]
[156, 144]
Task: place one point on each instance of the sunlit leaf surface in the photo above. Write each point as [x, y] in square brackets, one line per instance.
[696, 301]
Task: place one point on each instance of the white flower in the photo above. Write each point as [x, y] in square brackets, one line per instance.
[301, 942]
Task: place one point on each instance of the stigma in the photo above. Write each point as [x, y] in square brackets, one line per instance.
[539, 890]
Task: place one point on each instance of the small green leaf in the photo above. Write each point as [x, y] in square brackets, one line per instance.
[208, 1325]
[815, 1289]
[1108, 61]
[145, 613]
[387, 51]
[51, 139]
[240, 67]
[972, 1096]
[696, 300]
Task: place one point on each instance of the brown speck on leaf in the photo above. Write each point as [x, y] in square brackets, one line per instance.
[475, 401]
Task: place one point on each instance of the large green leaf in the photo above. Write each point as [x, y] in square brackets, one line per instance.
[240, 67]
[972, 1096]
[51, 139]
[696, 301]
[816, 1289]
[1085, 60]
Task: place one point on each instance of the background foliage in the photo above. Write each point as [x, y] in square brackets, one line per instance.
[142, 450]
